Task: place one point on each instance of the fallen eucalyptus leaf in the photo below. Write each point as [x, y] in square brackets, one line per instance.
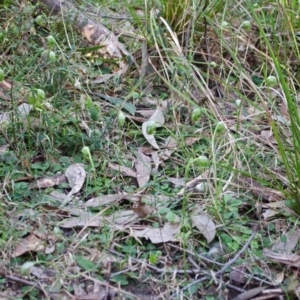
[103, 200]
[206, 226]
[158, 235]
[76, 176]
[30, 243]
[143, 168]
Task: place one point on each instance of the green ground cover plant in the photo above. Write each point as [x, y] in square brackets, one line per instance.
[177, 178]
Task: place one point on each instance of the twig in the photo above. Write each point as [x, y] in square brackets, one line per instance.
[225, 266]
[202, 257]
[228, 264]
[233, 287]
[130, 295]
[158, 270]
[26, 282]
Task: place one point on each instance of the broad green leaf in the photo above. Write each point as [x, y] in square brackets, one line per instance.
[85, 263]
[119, 102]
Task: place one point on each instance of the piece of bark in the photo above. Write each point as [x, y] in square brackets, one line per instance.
[96, 34]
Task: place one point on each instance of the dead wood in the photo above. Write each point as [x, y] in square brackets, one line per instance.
[96, 34]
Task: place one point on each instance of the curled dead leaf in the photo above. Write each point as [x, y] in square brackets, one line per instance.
[143, 168]
[103, 200]
[122, 217]
[125, 170]
[76, 177]
[30, 243]
[46, 182]
[206, 226]
[158, 235]
[86, 219]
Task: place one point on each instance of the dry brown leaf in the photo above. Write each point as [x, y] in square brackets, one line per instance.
[50, 249]
[25, 213]
[46, 182]
[284, 111]
[269, 213]
[95, 33]
[177, 181]
[22, 111]
[285, 258]
[122, 217]
[163, 104]
[238, 274]
[83, 124]
[170, 143]
[6, 85]
[60, 197]
[44, 235]
[43, 273]
[137, 119]
[274, 205]
[266, 134]
[103, 200]
[274, 208]
[158, 235]
[281, 119]
[86, 219]
[4, 149]
[76, 177]
[250, 294]
[191, 140]
[147, 113]
[125, 170]
[143, 168]
[153, 200]
[206, 226]
[30, 243]
[143, 210]
[62, 212]
[4, 117]
[165, 154]
[267, 194]
[279, 277]
[194, 182]
[102, 294]
[157, 200]
[156, 160]
[291, 241]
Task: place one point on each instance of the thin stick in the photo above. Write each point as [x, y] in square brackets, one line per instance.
[158, 270]
[226, 266]
[111, 287]
[26, 282]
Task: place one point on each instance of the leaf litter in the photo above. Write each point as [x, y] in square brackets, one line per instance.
[206, 226]
[144, 219]
[143, 168]
[76, 176]
[159, 119]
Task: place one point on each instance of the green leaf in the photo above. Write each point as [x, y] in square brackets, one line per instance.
[120, 279]
[85, 263]
[89, 49]
[257, 80]
[119, 103]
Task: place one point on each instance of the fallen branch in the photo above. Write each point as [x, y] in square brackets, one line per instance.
[96, 34]
[27, 282]
[223, 269]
